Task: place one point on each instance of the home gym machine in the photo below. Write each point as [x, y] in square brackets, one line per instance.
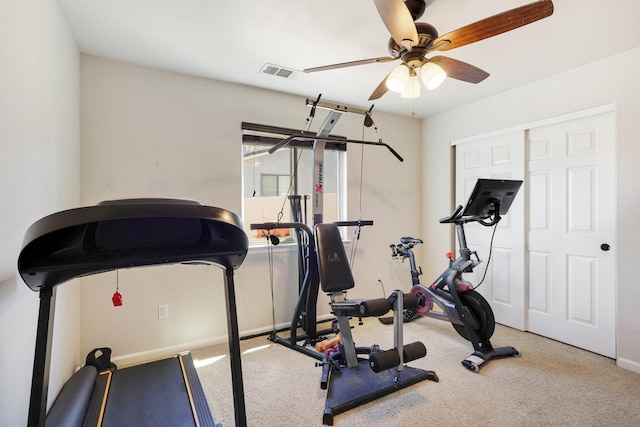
[304, 316]
[124, 234]
[450, 297]
[351, 380]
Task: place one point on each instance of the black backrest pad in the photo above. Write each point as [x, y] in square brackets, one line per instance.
[333, 264]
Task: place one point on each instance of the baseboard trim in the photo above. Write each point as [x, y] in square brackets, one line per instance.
[628, 364]
[162, 352]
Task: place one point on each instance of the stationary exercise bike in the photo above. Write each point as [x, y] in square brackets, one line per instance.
[450, 297]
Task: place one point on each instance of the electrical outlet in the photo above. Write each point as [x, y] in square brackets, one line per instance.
[163, 311]
[379, 277]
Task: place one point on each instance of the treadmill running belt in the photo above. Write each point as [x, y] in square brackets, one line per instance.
[152, 394]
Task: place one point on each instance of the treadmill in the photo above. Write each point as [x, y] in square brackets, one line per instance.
[124, 234]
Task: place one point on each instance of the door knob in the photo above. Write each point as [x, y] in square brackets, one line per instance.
[605, 247]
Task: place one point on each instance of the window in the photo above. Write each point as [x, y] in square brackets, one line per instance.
[269, 179]
[273, 185]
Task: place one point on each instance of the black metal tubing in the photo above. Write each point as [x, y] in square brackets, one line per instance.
[234, 349]
[41, 360]
[308, 289]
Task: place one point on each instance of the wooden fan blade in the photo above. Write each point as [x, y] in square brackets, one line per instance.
[380, 90]
[350, 64]
[398, 20]
[460, 70]
[494, 25]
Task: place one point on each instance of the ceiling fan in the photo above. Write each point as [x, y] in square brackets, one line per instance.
[411, 42]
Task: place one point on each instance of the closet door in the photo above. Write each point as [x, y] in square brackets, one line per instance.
[571, 232]
[499, 157]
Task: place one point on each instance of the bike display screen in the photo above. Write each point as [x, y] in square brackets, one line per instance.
[489, 191]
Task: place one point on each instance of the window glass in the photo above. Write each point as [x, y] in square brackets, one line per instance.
[270, 179]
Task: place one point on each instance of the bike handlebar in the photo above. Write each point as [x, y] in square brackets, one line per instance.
[491, 219]
[453, 217]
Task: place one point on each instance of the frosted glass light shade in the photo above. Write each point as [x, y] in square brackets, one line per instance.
[397, 80]
[432, 75]
[412, 90]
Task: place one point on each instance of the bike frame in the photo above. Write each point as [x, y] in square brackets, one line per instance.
[451, 278]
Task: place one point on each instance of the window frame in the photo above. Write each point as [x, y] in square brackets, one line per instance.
[271, 136]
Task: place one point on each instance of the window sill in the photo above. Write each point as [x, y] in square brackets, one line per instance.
[283, 247]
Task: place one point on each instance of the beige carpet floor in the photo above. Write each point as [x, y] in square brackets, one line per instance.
[551, 384]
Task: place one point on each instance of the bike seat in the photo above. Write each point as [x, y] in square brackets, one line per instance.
[405, 240]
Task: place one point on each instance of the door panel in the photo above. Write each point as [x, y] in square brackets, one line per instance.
[499, 157]
[571, 196]
[502, 281]
[539, 273]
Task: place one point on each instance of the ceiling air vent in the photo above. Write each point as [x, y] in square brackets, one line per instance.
[278, 71]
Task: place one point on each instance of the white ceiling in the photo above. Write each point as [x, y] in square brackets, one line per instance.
[231, 40]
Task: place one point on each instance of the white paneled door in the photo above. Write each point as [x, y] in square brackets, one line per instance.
[497, 157]
[571, 232]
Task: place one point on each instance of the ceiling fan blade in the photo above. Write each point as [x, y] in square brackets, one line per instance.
[398, 20]
[494, 25]
[350, 64]
[460, 70]
[380, 90]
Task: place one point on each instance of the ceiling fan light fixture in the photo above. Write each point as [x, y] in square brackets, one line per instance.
[412, 90]
[398, 79]
[432, 75]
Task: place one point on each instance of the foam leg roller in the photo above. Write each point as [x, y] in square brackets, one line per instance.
[383, 360]
[409, 301]
[375, 307]
[413, 351]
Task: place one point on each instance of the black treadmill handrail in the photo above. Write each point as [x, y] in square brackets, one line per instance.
[69, 244]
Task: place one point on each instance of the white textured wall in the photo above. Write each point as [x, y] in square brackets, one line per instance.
[610, 80]
[140, 128]
[150, 133]
[39, 173]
